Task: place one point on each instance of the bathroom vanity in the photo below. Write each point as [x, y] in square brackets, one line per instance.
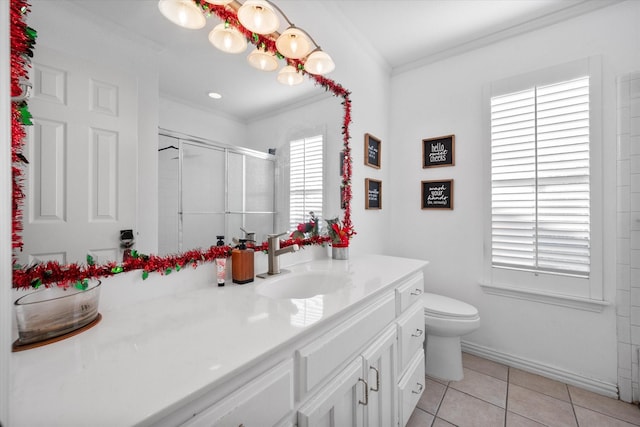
[266, 353]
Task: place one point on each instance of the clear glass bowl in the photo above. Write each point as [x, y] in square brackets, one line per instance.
[52, 312]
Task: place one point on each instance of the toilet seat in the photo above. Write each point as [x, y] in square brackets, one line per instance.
[441, 306]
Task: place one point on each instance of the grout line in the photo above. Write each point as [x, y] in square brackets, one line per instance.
[446, 388]
[506, 397]
[573, 407]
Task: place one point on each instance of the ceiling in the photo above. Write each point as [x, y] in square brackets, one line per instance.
[398, 34]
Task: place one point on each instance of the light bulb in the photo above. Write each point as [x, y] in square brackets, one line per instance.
[262, 60]
[258, 16]
[227, 39]
[289, 76]
[293, 43]
[319, 62]
[182, 12]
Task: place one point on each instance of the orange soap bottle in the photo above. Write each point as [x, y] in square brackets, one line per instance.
[242, 263]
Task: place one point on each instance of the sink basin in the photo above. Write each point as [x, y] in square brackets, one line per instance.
[301, 285]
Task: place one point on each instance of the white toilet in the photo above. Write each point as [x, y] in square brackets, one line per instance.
[446, 320]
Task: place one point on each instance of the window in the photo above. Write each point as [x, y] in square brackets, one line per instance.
[305, 179]
[540, 186]
[545, 199]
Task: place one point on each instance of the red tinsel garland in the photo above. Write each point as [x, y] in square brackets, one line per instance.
[20, 45]
[53, 273]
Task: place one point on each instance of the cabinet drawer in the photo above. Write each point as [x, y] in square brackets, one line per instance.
[411, 387]
[409, 293]
[262, 402]
[317, 360]
[410, 334]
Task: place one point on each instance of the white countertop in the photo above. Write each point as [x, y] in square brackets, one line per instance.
[144, 360]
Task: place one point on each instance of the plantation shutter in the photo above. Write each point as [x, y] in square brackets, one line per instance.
[305, 179]
[540, 179]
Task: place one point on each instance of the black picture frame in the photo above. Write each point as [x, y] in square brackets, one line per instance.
[438, 152]
[372, 151]
[373, 193]
[437, 194]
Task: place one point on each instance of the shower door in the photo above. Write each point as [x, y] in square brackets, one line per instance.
[207, 189]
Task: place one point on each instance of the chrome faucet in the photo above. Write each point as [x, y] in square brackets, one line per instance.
[274, 251]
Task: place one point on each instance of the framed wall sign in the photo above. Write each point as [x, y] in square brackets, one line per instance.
[437, 194]
[372, 151]
[438, 151]
[373, 189]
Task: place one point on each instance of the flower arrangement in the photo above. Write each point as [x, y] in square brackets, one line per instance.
[306, 229]
[339, 233]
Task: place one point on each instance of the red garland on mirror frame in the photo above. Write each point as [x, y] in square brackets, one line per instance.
[54, 274]
[22, 40]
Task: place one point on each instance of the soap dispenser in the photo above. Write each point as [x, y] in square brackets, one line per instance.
[221, 264]
[242, 263]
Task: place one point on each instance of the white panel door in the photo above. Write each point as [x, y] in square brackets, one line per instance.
[82, 152]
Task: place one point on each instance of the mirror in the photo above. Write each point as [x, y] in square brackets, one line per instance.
[64, 271]
[208, 189]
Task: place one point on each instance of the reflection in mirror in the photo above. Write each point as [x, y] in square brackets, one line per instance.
[108, 168]
[207, 189]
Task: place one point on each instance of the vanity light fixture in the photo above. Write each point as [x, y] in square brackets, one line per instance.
[296, 43]
[289, 76]
[227, 38]
[184, 13]
[255, 19]
[293, 43]
[262, 60]
[214, 95]
[319, 62]
[258, 16]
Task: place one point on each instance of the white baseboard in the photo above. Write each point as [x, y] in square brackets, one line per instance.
[571, 378]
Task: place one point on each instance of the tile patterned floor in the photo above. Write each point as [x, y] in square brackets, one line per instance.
[494, 395]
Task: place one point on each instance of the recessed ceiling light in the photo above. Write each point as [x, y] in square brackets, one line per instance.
[215, 95]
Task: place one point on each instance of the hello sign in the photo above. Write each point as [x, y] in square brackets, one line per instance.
[438, 151]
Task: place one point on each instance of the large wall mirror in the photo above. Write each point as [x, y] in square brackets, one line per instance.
[85, 182]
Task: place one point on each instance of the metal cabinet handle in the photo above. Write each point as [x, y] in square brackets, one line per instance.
[418, 291]
[418, 333]
[377, 379]
[420, 387]
[366, 393]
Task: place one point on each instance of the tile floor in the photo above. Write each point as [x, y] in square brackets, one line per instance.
[492, 394]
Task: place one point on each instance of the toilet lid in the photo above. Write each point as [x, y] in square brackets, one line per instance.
[443, 306]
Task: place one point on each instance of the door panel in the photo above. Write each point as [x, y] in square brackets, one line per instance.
[82, 152]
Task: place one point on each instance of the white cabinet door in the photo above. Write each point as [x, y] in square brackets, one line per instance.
[379, 363]
[324, 355]
[339, 403]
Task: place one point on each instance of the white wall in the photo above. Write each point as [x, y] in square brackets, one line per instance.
[179, 117]
[447, 98]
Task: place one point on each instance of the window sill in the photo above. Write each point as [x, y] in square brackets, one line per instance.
[576, 303]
